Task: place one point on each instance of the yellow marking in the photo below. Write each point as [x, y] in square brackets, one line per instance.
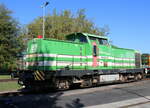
[42, 73]
[38, 78]
[35, 78]
[38, 73]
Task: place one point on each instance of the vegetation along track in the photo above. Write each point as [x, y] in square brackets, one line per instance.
[8, 80]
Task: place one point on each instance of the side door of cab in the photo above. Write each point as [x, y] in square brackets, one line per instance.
[106, 58]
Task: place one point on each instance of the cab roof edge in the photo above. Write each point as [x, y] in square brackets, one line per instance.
[92, 35]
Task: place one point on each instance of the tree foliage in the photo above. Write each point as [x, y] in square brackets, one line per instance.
[58, 25]
[10, 43]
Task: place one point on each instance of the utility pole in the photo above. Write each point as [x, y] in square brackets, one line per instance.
[44, 6]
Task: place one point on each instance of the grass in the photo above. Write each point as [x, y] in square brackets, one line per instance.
[9, 86]
[5, 77]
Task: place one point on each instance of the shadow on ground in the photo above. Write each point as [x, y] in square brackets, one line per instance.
[75, 104]
[49, 100]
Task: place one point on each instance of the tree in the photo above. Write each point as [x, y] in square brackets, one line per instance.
[58, 25]
[10, 42]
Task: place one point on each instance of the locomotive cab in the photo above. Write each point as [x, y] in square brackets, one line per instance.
[87, 38]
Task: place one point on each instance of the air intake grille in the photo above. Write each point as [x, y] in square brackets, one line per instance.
[137, 60]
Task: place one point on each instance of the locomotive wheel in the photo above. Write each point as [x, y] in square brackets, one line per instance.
[136, 77]
[87, 83]
[139, 76]
[123, 78]
[62, 84]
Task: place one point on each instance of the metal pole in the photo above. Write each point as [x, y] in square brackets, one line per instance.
[43, 22]
[44, 6]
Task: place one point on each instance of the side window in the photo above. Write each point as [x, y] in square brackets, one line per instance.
[103, 41]
[77, 39]
[71, 38]
[83, 39]
[94, 50]
[100, 41]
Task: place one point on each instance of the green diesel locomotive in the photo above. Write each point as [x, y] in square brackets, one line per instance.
[83, 59]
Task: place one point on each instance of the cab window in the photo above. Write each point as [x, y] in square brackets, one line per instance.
[83, 39]
[77, 39]
[71, 38]
[103, 41]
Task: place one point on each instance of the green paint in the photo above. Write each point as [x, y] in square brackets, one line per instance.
[77, 49]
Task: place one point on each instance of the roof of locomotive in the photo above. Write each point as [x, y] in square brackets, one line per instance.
[146, 54]
[90, 35]
[116, 47]
[87, 34]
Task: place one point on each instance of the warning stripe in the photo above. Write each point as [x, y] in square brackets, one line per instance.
[42, 73]
[39, 75]
[35, 78]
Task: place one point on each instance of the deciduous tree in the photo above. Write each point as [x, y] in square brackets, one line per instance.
[10, 43]
[58, 25]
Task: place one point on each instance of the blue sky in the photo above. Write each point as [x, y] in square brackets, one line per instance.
[128, 20]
